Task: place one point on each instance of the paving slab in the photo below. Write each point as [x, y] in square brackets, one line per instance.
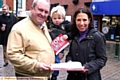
[110, 72]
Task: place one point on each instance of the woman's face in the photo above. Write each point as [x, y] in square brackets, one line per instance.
[82, 21]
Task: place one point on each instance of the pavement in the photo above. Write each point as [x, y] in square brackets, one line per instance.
[110, 72]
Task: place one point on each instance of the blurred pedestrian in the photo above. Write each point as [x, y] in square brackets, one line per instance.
[7, 20]
[88, 46]
[59, 26]
[29, 48]
[117, 30]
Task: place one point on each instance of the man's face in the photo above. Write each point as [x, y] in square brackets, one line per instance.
[5, 10]
[40, 12]
[57, 19]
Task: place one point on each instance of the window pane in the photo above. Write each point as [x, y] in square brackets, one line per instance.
[19, 3]
[1, 3]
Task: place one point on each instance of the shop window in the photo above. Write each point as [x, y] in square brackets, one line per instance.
[106, 27]
[106, 22]
[111, 26]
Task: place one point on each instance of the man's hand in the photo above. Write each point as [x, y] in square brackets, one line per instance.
[44, 67]
[3, 27]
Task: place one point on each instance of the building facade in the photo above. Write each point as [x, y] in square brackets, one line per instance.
[106, 12]
[23, 5]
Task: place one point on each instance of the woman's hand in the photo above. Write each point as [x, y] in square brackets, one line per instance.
[69, 61]
[84, 70]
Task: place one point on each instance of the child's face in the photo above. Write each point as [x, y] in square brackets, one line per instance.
[57, 19]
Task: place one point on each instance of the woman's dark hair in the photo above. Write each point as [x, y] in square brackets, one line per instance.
[81, 10]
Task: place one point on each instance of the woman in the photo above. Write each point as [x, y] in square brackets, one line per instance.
[87, 46]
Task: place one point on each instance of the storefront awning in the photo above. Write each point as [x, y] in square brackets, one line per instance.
[105, 8]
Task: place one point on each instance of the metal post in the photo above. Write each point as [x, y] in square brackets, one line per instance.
[117, 38]
[16, 7]
[117, 50]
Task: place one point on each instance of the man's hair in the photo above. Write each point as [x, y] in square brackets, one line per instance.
[5, 6]
[60, 10]
[35, 2]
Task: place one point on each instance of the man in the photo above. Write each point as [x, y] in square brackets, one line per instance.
[29, 48]
[7, 20]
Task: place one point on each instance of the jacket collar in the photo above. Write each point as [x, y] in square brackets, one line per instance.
[90, 33]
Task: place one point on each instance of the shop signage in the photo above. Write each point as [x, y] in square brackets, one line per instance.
[105, 8]
[100, 0]
[96, 24]
[105, 30]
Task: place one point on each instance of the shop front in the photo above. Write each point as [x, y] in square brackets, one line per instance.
[108, 15]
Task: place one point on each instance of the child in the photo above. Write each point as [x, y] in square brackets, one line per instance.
[59, 26]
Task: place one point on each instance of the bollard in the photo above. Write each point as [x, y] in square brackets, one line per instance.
[117, 39]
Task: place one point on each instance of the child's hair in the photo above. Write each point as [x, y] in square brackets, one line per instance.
[60, 10]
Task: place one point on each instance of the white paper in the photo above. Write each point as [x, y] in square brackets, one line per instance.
[69, 66]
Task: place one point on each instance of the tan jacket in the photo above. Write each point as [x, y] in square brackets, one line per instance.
[28, 45]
